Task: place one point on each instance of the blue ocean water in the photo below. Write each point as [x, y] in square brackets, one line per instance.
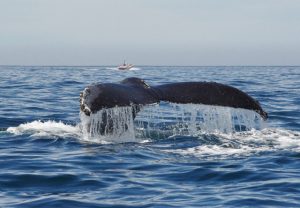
[46, 161]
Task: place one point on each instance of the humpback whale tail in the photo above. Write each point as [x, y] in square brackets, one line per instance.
[135, 92]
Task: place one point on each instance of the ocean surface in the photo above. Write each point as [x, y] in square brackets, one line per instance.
[171, 156]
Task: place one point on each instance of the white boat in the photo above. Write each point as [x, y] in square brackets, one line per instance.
[125, 66]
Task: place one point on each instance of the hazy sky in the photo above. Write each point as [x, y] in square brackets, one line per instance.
[150, 32]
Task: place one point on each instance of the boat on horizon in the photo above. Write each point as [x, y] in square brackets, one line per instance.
[125, 66]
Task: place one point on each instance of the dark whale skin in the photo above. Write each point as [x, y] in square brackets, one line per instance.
[135, 92]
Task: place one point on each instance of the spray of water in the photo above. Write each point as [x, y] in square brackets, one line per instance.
[110, 125]
[220, 131]
[161, 121]
[191, 119]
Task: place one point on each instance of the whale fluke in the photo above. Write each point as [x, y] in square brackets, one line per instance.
[135, 92]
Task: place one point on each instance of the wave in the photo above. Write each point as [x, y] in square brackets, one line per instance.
[244, 143]
[50, 129]
[46, 129]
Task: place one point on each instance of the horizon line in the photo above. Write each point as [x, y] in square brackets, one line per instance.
[109, 65]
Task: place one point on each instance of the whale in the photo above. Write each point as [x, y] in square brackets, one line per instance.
[136, 92]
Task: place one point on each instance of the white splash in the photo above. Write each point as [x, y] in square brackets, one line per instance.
[246, 143]
[109, 125]
[227, 140]
[134, 69]
[195, 119]
[46, 129]
[164, 120]
[116, 125]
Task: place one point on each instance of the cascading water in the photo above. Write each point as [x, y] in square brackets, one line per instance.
[166, 119]
[169, 119]
[110, 125]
